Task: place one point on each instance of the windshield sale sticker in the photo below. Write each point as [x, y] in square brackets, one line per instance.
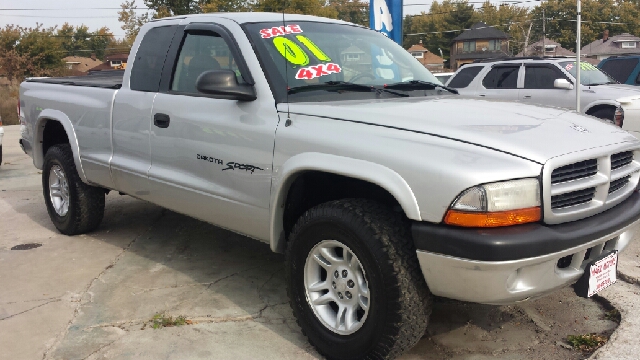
[583, 66]
[312, 72]
[280, 30]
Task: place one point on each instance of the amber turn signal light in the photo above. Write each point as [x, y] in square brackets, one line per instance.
[492, 219]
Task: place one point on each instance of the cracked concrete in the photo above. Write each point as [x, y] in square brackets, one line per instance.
[93, 296]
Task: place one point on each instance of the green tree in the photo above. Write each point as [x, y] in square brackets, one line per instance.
[99, 41]
[173, 7]
[354, 11]
[617, 16]
[307, 7]
[226, 6]
[513, 20]
[131, 21]
[30, 52]
[440, 25]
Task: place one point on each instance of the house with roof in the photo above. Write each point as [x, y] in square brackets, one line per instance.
[545, 47]
[480, 42]
[355, 61]
[113, 62]
[428, 59]
[79, 65]
[623, 44]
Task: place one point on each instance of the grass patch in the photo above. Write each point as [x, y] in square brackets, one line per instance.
[161, 320]
[613, 315]
[587, 343]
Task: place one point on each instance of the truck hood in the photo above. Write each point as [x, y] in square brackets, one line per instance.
[533, 132]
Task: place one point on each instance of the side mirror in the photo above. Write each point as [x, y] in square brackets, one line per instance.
[223, 84]
[562, 84]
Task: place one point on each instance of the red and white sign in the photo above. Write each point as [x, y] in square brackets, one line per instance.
[602, 274]
[280, 30]
[312, 72]
[569, 66]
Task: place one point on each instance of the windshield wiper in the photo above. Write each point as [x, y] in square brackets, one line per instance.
[418, 85]
[341, 86]
[332, 86]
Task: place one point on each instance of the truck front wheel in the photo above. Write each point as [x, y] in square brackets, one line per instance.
[73, 206]
[354, 281]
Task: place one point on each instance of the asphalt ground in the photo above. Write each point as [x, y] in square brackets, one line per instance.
[95, 296]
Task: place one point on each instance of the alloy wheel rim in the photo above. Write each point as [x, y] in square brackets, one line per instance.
[59, 190]
[336, 287]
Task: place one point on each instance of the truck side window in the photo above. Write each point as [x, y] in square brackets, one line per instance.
[147, 68]
[541, 77]
[464, 77]
[200, 53]
[502, 77]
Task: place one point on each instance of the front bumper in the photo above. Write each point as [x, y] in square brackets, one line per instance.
[507, 265]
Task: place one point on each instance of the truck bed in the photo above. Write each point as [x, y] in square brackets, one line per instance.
[109, 79]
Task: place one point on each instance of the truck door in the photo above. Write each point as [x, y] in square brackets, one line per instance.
[131, 117]
[211, 158]
[539, 89]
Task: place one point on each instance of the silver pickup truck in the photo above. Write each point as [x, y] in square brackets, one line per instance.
[335, 146]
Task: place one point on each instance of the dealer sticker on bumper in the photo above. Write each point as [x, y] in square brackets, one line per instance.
[602, 273]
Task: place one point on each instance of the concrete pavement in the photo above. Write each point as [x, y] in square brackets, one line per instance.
[93, 296]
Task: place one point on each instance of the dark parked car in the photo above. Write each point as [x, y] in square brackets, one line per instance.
[625, 69]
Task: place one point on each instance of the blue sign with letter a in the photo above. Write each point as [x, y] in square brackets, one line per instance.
[385, 16]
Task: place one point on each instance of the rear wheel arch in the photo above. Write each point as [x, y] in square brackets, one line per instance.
[52, 128]
[602, 111]
[371, 180]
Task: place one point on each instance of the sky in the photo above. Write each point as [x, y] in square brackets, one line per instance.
[75, 12]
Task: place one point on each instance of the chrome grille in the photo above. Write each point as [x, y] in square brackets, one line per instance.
[621, 159]
[618, 184]
[582, 184]
[573, 198]
[575, 171]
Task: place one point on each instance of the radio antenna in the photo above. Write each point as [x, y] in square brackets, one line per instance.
[286, 72]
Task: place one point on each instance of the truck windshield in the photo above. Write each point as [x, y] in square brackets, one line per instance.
[324, 59]
[589, 74]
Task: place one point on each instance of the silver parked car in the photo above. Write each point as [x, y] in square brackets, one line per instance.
[550, 82]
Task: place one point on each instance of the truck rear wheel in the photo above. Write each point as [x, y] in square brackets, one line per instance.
[73, 206]
[354, 281]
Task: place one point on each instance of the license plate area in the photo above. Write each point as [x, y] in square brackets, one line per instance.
[598, 275]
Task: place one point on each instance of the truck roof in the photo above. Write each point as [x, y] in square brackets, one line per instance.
[251, 17]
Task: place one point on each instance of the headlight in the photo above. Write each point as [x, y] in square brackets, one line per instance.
[498, 204]
[618, 116]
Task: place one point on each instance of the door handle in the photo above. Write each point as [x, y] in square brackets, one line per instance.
[527, 97]
[481, 95]
[161, 120]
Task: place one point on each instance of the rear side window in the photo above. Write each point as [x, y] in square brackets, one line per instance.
[147, 67]
[464, 77]
[620, 69]
[541, 77]
[502, 77]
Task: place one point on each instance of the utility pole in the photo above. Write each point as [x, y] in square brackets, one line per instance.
[544, 33]
[577, 85]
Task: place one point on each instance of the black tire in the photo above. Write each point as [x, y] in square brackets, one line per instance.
[607, 113]
[398, 315]
[86, 203]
